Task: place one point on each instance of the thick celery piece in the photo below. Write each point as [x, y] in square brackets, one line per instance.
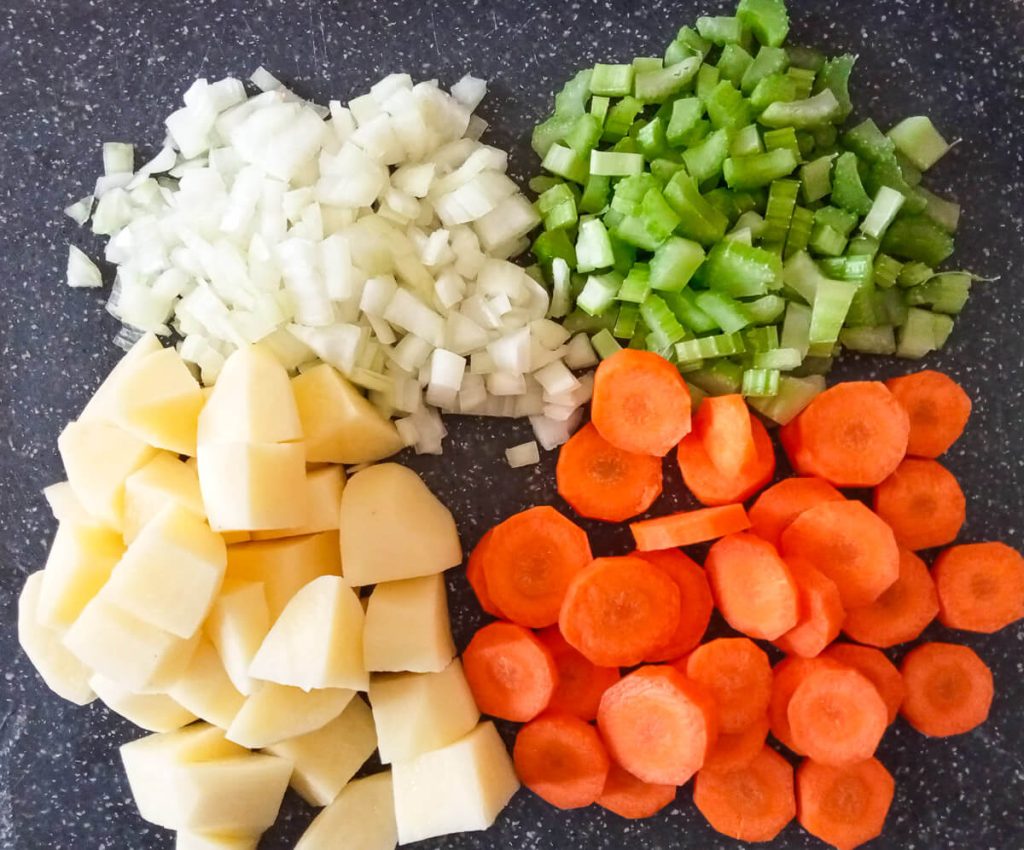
[880, 339]
[834, 75]
[720, 30]
[740, 270]
[803, 80]
[733, 63]
[945, 293]
[918, 238]
[800, 225]
[769, 60]
[611, 80]
[766, 19]
[661, 321]
[565, 162]
[554, 243]
[674, 262]
[709, 347]
[921, 333]
[883, 210]
[828, 312]
[704, 160]
[722, 377]
[760, 340]
[780, 359]
[727, 108]
[657, 86]
[728, 313]
[584, 134]
[746, 141]
[686, 113]
[595, 194]
[946, 214]
[793, 396]
[626, 322]
[752, 172]
[760, 383]
[615, 164]
[784, 137]
[593, 248]
[887, 270]
[637, 285]
[775, 88]
[766, 309]
[699, 220]
[868, 142]
[570, 102]
[813, 111]
[782, 196]
[604, 343]
[918, 140]
[599, 293]
[683, 304]
[847, 189]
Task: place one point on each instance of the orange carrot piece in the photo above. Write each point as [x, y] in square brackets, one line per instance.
[922, 503]
[632, 798]
[849, 544]
[752, 586]
[737, 674]
[980, 586]
[844, 806]
[641, 403]
[837, 717]
[688, 527]
[476, 578]
[732, 751]
[529, 562]
[938, 409]
[788, 674]
[580, 683]
[712, 487]
[949, 689]
[510, 672]
[872, 664]
[601, 481]
[782, 503]
[751, 803]
[619, 610]
[658, 725]
[853, 435]
[902, 612]
[562, 760]
[821, 611]
[725, 430]
[695, 602]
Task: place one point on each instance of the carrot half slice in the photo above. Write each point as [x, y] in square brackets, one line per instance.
[695, 602]
[632, 798]
[580, 683]
[782, 503]
[821, 611]
[876, 668]
[949, 689]
[788, 674]
[709, 485]
[738, 675]
[476, 578]
[688, 527]
[922, 503]
[641, 403]
[980, 586]
[844, 806]
[738, 749]
[562, 760]
[723, 424]
[938, 409]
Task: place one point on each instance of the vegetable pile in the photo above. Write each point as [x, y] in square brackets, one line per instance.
[715, 206]
[803, 564]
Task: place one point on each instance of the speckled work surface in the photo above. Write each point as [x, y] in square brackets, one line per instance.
[74, 73]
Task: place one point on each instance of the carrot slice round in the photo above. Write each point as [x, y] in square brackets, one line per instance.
[562, 760]
[476, 578]
[688, 527]
[738, 749]
[632, 798]
[876, 668]
[844, 806]
[980, 586]
[723, 424]
[938, 409]
[949, 689]
[923, 504]
[787, 676]
[737, 674]
[709, 485]
[782, 503]
[902, 612]
[580, 683]
[695, 602]
[821, 611]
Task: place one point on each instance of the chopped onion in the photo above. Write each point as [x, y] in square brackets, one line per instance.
[82, 272]
[525, 454]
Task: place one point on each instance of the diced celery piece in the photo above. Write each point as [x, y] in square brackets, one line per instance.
[883, 210]
[699, 220]
[887, 270]
[565, 162]
[847, 188]
[880, 339]
[784, 137]
[766, 309]
[647, 63]
[781, 359]
[651, 139]
[707, 78]
[946, 214]
[912, 274]
[760, 383]
[620, 118]
[828, 312]
[720, 30]
[803, 80]
[692, 39]
[868, 142]
[674, 263]
[657, 86]
[684, 305]
[569, 102]
[554, 243]
[709, 347]
[801, 274]
[728, 313]
[593, 248]
[917, 336]
[918, 140]
[799, 235]
[769, 60]
[861, 244]
[615, 164]
[722, 377]
[740, 270]
[793, 396]
[834, 75]
[733, 63]
[805, 57]
[599, 104]
[637, 285]
[686, 112]
[585, 134]
[796, 328]
[826, 240]
[775, 88]
[751, 172]
[605, 344]
[611, 80]
[625, 324]
[599, 293]
[945, 293]
[580, 322]
[595, 193]
[542, 182]
[816, 177]
[814, 111]
[887, 172]
[704, 160]
[746, 141]
[918, 238]
[661, 321]
[766, 19]
[727, 108]
[779, 212]
[760, 340]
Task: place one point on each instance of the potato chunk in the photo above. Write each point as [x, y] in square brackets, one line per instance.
[323, 505]
[163, 480]
[237, 625]
[152, 712]
[205, 689]
[276, 713]
[407, 627]
[361, 818]
[81, 560]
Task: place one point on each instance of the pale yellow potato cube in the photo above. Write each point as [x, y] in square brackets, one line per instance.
[407, 626]
[276, 713]
[101, 404]
[207, 841]
[340, 425]
[317, 642]
[205, 689]
[62, 672]
[325, 760]
[252, 402]
[81, 560]
[460, 788]
[163, 480]
[233, 537]
[98, 457]
[249, 486]
[237, 625]
[362, 817]
[171, 573]
[158, 400]
[417, 712]
[392, 527]
[65, 507]
[323, 499]
[152, 712]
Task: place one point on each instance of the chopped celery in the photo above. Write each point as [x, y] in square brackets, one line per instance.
[801, 274]
[766, 309]
[704, 160]
[796, 328]
[746, 141]
[769, 60]
[674, 263]
[569, 102]
[946, 214]
[611, 80]
[615, 164]
[720, 30]
[779, 212]
[625, 323]
[887, 270]
[664, 169]
[805, 57]
[766, 19]
[647, 63]
[810, 112]
[661, 321]
[803, 82]
[599, 293]
[911, 173]
[826, 240]
[707, 78]
[699, 220]
[836, 218]
[657, 86]
[554, 243]
[868, 142]
[624, 255]
[561, 292]
[565, 162]
[890, 306]
[733, 63]
[775, 88]
[918, 140]
[760, 340]
[730, 315]
[557, 207]
[727, 108]
[760, 383]
[584, 134]
[677, 51]
[831, 304]
[751, 172]
[817, 178]
[595, 194]
[834, 75]
[847, 188]
[784, 137]
[793, 396]
[886, 172]
[883, 210]
[686, 112]
[541, 183]
[580, 322]
[945, 293]
[691, 38]
[637, 285]
[593, 248]
[920, 334]
[605, 344]
[740, 270]
[861, 244]
[911, 274]
[800, 225]
[720, 378]
[918, 238]
[683, 304]
[599, 107]
[880, 339]
[620, 118]
[781, 359]
[709, 347]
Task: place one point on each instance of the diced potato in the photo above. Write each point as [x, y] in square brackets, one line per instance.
[323, 500]
[361, 818]
[205, 689]
[252, 402]
[101, 404]
[317, 642]
[276, 713]
[98, 457]
[206, 841]
[62, 672]
[81, 560]
[392, 527]
[65, 507]
[158, 400]
[171, 573]
[407, 626]
[237, 625]
[152, 712]
[417, 712]
[232, 537]
[285, 566]
[460, 788]
[146, 492]
[325, 760]
[248, 486]
[340, 425]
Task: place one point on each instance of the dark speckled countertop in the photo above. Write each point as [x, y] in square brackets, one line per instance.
[77, 72]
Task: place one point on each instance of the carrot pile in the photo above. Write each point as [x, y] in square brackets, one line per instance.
[621, 697]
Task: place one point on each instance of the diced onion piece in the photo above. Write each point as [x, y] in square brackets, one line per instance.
[551, 433]
[118, 158]
[80, 210]
[556, 378]
[82, 272]
[525, 454]
[580, 353]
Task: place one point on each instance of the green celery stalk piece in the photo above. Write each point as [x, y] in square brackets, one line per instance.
[552, 244]
[945, 293]
[918, 140]
[816, 177]
[570, 102]
[796, 328]
[684, 305]
[946, 214]
[805, 57]
[918, 238]
[880, 339]
[593, 248]
[769, 60]
[595, 194]
[793, 396]
[741, 270]
[720, 30]
[766, 309]
[746, 141]
[728, 313]
[584, 134]
[686, 112]
[727, 108]
[760, 383]
[599, 293]
[705, 159]
[766, 19]
[657, 86]
[775, 88]
[604, 343]
[611, 80]
[814, 111]
[751, 172]
[626, 321]
[834, 75]
[916, 336]
[847, 189]
[661, 321]
[733, 63]
[828, 312]
[723, 377]
[674, 263]
[868, 142]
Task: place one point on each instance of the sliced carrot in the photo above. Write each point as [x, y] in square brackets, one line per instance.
[738, 749]
[949, 689]
[724, 427]
[782, 503]
[751, 803]
[849, 544]
[853, 435]
[580, 683]
[688, 527]
[641, 403]
[922, 503]
[633, 798]
[752, 586]
[938, 409]
[876, 668]
[477, 579]
[511, 673]
[695, 602]
[837, 717]
[844, 806]
[709, 485]
[601, 481]
[980, 586]
[562, 760]
[658, 725]
[787, 676]
[902, 612]
[821, 611]
[619, 610]
[737, 674]
[529, 562]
